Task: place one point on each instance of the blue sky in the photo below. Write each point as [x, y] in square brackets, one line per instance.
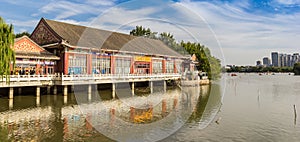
[237, 32]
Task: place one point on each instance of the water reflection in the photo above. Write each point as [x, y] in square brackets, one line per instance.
[139, 118]
[208, 105]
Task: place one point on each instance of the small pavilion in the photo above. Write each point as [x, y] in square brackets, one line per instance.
[33, 59]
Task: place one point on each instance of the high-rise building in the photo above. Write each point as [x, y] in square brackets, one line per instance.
[281, 60]
[284, 59]
[289, 60]
[275, 59]
[258, 63]
[295, 58]
[266, 62]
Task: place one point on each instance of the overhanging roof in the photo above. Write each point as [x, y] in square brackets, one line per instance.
[81, 36]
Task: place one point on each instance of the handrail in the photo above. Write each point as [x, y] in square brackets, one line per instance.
[62, 77]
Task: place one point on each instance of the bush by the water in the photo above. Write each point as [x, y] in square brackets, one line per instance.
[297, 69]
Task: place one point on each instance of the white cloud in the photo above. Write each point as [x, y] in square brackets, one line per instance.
[66, 9]
[288, 2]
[101, 2]
[245, 37]
[239, 31]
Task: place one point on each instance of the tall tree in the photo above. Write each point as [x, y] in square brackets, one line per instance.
[207, 62]
[7, 55]
[140, 31]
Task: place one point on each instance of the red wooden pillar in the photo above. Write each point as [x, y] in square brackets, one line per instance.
[66, 63]
[112, 64]
[163, 66]
[151, 67]
[175, 69]
[37, 69]
[132, 66]
[89, 64]
[46, 68]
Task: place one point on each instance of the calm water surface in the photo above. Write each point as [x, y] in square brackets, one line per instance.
[247, 107]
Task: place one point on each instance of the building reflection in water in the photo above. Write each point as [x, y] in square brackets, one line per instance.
[133, 118]
[208, 105]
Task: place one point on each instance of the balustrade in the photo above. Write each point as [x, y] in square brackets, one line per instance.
[88, 77]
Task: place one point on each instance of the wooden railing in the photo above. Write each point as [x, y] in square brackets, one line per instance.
[62, 77]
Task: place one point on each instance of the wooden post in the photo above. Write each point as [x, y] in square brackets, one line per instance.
[38, 100]
[66, 62]
[164, 66]
[72, 88]
[65, 90]
[165, 86]
[89, 92]
[113, 90]
[48, 89]
[65, 99]
[112, 64]
[38, 91]
[11, 103]
[89, 64]
[55, 90]
[132, 88]
[151, 87]
[20, 90]
[11, 93]
[151, 66]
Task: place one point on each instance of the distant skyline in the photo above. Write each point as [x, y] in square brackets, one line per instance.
[270, 55]
[246, 30]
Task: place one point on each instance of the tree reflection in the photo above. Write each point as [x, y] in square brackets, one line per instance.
[208, 105]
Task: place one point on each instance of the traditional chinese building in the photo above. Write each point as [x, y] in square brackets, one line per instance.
[32, 58]
[85, 50]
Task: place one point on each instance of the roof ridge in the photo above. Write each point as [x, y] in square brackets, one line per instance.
[93, 37]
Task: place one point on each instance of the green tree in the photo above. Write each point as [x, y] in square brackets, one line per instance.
[140, 31]
[296, 69]
[22, 34]
[7, 55]
[206, 62]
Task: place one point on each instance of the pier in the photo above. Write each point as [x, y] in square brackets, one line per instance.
[53, 81]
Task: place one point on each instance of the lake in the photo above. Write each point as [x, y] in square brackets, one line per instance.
[247, 107]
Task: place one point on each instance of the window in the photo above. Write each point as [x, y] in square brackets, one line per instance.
[157, 66]
[142, 67]
[77, 64]
[101, 65]
[179, 66]
[122, 65]
[169, 66]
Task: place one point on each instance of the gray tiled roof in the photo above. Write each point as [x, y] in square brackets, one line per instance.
[81, 36]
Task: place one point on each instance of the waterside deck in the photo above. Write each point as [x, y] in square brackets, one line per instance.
[52, 81]
[60, 79]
